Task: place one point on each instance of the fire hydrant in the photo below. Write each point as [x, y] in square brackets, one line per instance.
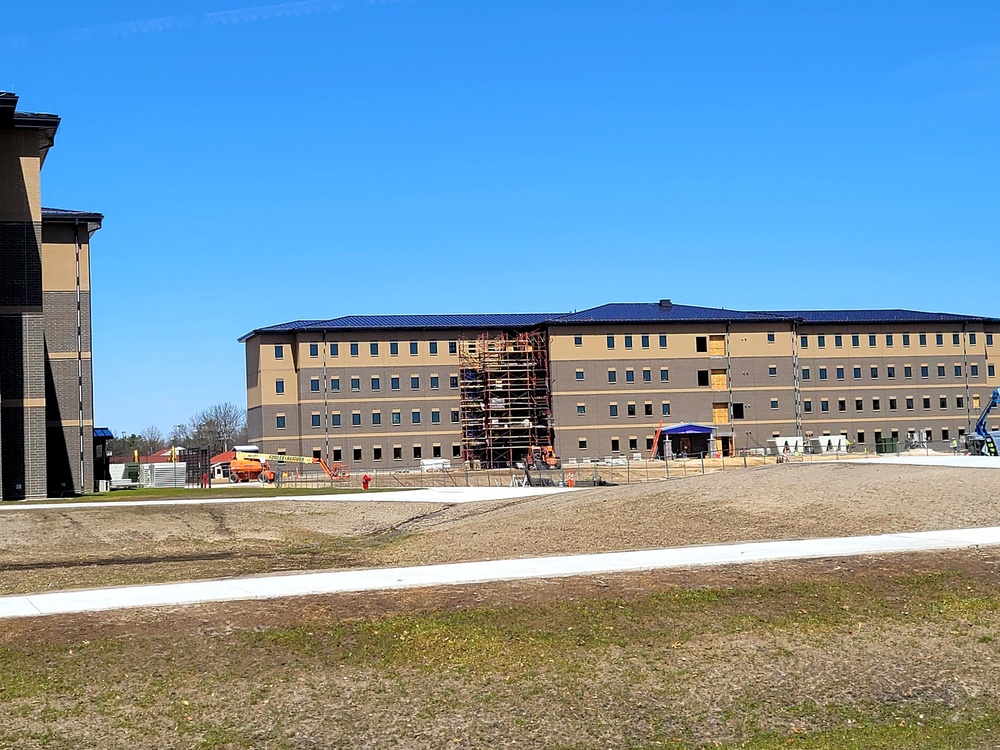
[365, 481]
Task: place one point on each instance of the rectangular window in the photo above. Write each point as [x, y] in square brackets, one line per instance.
[890, 371]
[701, 343]
[454, 416]
[578, 341]
[373, 348]
[871, 340]
[355, 384]
[377, 453]
[772, 370]
[770, 337]
[924, 371]
[859, 404]
[376, 418]
[774, 403]
[922, 339]
[892, 403]
[943, 402]
[838, 340]
[958, 371]
[417, 451]
[841, 404]
[647, 375]
[315, 420]
[611, 342]
[354, 348]
[888, 339]
[615, 445]
[664, 375]
[629, 375]
[435, 382]
[356, 452]
[861, 437]
[805, 373]
[665, 408]
[909, 403]
[314, 385]
[313, 350]
[989, 339]
[939, 339]
[647, 409]
[335, 419]
[376, 384]
[415, 417]
[435, 416]
[972, 339]
[974, 371]
[663, 341]
[855, 340]
[805, 342]
[876, 404]
[807, 406]
[579, 374]
[840, 373]
[452, 347]
[394, 383]
[991, 371]
[334, 350]
[433, 347]
[414, 382]
[857, 373]
[644, 341]
[926, 402]
[413, 348]
[613, 410]
[279, 386]
[453, 381]
[630, 410]
[581, 408]
[703, 379]
[394, 348]
[821, 341]
[628, 342]
[397, 417]
[954, 339]
[959, 402]
[279, 351]
[356, 419]
[456, 450]
[906, 339]
[279, 421]
[581, 443]
[612, 376]
[940, 371]
[907, 371]
[824, 405]
[397, 453]
[874, 372]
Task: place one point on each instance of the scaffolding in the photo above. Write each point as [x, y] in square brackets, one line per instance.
[506, 404]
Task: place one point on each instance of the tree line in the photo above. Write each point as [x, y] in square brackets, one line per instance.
[217, 428]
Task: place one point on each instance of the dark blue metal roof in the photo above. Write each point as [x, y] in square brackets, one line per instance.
[102, 432]
[653, 312]
[878, 316]
[383, 322]
[64, 213]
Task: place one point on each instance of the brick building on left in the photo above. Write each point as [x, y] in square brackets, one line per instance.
[46, 383]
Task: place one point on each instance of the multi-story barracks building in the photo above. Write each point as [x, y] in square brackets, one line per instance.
[615, 380]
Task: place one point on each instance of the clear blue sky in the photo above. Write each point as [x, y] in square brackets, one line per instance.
[258, 164]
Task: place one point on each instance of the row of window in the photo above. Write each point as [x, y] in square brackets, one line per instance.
[357, 452]
[647, 375]
[893, 402]
[628, 341]
[838, 339]
[890, 371]
[395, 418]
[630, 409]
[354, 347]
[375, 382]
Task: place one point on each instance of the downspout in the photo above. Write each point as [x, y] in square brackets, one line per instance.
[729, 380]
[79, 352]
[965, 369]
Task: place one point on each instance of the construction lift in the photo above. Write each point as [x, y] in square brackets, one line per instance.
[984, 441]
[248, 466]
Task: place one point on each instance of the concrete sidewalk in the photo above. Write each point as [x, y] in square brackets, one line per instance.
[440, 495]
[959, 459]
[304, 584]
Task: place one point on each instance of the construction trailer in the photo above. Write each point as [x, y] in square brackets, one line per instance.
[505, 397]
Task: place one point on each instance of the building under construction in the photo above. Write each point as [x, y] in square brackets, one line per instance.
[505, 401]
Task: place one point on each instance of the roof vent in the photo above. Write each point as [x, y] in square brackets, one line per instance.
[666, 304]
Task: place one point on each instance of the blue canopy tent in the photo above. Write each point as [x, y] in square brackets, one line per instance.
[689, 439]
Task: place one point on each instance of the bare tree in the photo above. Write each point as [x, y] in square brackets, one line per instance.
[219, 427]
[150, 441]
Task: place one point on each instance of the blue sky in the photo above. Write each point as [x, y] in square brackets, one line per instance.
[258, 164]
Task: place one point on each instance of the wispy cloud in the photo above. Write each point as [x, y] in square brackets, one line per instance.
[234, 17]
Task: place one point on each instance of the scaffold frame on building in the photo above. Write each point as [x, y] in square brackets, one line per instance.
[506, 404]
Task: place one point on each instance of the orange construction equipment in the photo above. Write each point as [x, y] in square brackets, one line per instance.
[248, 466]
[542, 457]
